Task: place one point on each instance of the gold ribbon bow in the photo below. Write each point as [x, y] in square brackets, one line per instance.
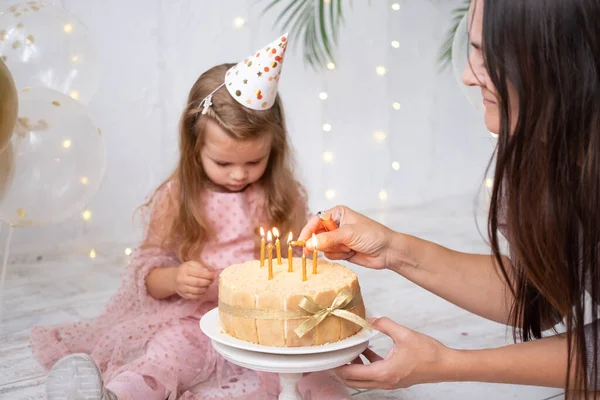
[319, 313]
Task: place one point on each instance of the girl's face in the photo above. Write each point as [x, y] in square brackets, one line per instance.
[233, 164]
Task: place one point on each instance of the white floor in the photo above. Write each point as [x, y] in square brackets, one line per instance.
[71, 286]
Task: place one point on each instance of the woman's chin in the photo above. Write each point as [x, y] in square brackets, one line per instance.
[492, 122]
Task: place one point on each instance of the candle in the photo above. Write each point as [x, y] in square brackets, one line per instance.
[290, 253]
[277, 246]
[315, 253]
[301, 243]
[303, 266]
[270, 254]
[262, 247]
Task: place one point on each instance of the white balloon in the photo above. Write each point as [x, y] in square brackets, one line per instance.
[9, 104]
[44, 45]
[55, 162]
[460, 61]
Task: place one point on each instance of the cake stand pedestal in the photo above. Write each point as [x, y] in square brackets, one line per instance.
[290, 367]
[289, 362]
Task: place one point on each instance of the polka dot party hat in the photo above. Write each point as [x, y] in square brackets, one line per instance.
[253, 82]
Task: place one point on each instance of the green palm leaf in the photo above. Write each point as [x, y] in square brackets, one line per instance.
[308, 23]
[445, 56]
[314, 23]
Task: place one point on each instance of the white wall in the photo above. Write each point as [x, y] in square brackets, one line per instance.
[153, 50]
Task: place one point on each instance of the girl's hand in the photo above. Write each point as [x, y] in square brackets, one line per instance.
[358, 239]
[192, 280]
[414, 359]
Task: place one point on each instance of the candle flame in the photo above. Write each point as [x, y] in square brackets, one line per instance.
[269, 237]
[262, 232]
[275, 232]
[290, 237]
[314, 241]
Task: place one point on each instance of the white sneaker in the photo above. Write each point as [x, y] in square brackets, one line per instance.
[76, 377]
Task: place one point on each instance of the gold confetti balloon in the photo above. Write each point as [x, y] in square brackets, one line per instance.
[8, 105]
[44, 45]
[54, 163]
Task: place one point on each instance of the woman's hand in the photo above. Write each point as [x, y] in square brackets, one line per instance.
[192, 280]
[358, 239]
[414, 359]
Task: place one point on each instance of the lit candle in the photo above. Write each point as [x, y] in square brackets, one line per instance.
[262, 247]
[270, 254]
[290, 253]
[277, 246]
[303, 266]
[315, 253]
[300, 243]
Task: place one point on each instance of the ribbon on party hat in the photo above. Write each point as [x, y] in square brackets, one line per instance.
[254, 81]
[319, 313]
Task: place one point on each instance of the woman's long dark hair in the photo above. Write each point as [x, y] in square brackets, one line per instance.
[547, 171]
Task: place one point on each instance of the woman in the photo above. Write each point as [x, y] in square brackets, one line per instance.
[537, 63]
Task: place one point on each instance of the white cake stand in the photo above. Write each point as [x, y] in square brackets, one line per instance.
[289, 362]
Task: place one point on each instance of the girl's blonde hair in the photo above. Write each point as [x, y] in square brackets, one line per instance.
[284, 196]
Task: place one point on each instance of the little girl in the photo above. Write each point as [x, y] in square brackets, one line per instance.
[234, 175]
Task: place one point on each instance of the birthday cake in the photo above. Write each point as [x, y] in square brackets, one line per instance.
[286, 311]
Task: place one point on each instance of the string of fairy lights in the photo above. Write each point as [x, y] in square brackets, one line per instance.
[238, 22]
[396, 106]
[380, 136]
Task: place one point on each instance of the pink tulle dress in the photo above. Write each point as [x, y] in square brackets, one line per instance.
[161, 338]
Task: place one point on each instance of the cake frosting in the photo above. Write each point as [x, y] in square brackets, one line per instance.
[268, 312]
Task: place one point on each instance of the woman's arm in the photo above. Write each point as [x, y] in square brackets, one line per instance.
[540, 362]
[471, 281]
[416, 358]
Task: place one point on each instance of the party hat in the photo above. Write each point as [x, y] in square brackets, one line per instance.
[253, 82]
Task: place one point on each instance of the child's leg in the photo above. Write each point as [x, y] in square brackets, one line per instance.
[322, 386]
[176, 358]
[270, 382]
[131, 386]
